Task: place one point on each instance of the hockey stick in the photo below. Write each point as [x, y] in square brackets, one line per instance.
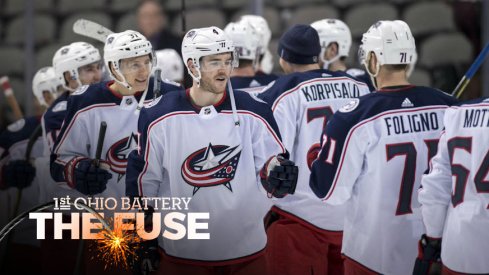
[100, 142]
[9, 95]
[157, 83]
[457, 92]
[96, 161]
[91, 29]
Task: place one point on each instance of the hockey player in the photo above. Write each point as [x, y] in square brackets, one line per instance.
[246, 40]
[335, 38]
[261, 26]
[453, 197]
[210, 143]
[13, 142]
[18, 193]
[302, 102]
[171, 65]
[76, 64]
[129, 57]
[374, 151]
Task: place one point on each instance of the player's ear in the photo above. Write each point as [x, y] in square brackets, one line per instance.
[190, 65]
[331, 51]
[372, 62]
[67, 78]
[48, 97]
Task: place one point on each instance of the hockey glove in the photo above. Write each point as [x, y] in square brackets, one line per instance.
[18, 173]
[279, 176]
[147, 257]
[429, 256]
[86, 177]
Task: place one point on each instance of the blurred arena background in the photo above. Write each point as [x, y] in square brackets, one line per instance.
[449, 34]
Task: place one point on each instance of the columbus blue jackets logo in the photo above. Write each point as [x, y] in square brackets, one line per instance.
[190, 34]
[211, 166]
[119, 152]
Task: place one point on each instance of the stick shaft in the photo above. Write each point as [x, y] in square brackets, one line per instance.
[157, 83]
[100, 142]
[458, 91]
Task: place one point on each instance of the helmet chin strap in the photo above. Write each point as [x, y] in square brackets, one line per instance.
[129, 87]
[233, 104]
[194, 77]
[124, 81]
[143, 98]
[326, 63]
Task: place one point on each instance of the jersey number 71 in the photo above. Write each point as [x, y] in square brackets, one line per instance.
[409, 175]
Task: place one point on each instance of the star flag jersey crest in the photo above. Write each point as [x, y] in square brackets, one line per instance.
[211, 166]
[118, 153]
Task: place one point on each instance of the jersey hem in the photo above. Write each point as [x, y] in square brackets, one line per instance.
[361, 266]
[212, 263]
[302, 221]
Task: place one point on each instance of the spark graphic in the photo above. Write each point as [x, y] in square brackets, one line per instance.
[117, 247]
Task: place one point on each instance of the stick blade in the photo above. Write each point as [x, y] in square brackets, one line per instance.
[91, 29]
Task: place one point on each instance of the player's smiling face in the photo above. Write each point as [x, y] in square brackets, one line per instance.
[136, 70]
[216, 70]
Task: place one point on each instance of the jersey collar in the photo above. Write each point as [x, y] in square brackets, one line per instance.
[116, 94]
[391, 89]
[218, 106]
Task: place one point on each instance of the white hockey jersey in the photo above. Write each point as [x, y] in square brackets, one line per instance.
[187, 152]
[87, 108]
[302, 103]
[455, 194]
[374, 151]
